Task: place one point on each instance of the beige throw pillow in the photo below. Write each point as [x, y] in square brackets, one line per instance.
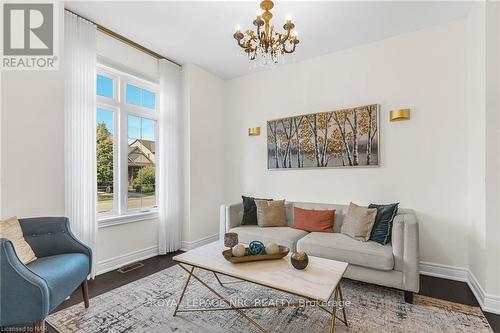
[358, 222]
[271, 213]
[11, 229]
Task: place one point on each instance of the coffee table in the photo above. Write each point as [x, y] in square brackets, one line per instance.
[317, 283]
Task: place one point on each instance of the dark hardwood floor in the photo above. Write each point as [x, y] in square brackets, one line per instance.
[453, 291]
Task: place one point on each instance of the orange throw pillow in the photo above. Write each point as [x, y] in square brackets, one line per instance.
[313, 220]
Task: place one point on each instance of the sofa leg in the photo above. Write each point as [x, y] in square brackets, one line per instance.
[40, 326]
[85, 292]
[409, 297]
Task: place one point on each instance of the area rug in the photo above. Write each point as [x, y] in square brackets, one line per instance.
[147, 305]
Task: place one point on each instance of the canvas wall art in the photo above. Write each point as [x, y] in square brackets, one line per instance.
[334, 139]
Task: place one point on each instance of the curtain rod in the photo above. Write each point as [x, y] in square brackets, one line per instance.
[123, 39]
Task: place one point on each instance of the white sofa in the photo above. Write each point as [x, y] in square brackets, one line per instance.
[393, 265]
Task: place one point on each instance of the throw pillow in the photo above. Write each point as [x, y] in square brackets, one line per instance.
[313, 220]
[358, 222]
[382, 229]
[250, 210]
[11, 229]
[271, 213]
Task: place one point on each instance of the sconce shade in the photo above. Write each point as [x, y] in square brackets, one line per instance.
[254, 131]
[401, 114]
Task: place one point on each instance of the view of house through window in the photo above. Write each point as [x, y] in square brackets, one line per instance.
[125, 124]
[141, 162]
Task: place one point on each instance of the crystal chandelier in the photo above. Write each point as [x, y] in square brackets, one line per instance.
[265, 45]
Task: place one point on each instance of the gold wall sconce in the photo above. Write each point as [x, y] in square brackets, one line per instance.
[401, 114]
[254, 131]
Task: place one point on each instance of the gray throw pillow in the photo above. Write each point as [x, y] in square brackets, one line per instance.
[271, 213]
[358, 222]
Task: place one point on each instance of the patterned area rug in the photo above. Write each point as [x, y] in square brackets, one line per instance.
[147, 305]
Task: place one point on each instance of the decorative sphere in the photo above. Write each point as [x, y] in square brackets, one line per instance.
[299, 260]
[239, 250]
[256, 247]
[272, 248]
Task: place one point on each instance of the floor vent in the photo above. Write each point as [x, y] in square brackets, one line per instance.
[130, 267]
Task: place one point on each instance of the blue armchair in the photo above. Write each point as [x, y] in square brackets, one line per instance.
[28, 293]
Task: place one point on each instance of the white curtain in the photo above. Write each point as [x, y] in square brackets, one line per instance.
[80, 128]
[170, 157]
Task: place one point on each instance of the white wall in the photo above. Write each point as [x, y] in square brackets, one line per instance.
[476, 150]
[493, 148]
[423, 160]
[205, 134]
[484, 149]
[32, 141]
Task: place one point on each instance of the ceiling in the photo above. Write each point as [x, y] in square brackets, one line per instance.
[200, 32]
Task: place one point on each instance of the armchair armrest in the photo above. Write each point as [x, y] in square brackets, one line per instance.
[230, 217]
[49, 236]
[24, 296]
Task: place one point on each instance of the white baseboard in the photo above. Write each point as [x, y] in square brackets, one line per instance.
[186, 246]
[488, 302]
[107, 265]
[444, 271]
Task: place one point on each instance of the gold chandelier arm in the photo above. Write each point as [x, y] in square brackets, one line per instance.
[282, 40]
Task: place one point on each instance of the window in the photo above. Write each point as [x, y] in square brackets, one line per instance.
[141, 162]
[139, 96]
[105, 86]
[105, 162]
[126, 132]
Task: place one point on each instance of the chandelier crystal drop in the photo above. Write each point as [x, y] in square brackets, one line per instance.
[265, 46]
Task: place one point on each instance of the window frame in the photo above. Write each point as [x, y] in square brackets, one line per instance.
[121, 109]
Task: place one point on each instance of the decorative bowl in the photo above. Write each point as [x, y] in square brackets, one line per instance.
[283, 252]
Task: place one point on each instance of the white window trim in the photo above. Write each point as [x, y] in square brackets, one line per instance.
[120, 213]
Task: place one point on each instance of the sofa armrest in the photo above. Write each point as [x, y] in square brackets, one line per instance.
[230, 217]
[405, 243]
[50, 236]
[24, 296]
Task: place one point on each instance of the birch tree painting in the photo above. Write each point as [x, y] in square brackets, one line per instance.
[343, 138]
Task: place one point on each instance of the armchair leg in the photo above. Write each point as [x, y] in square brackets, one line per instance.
[85, 292]
[409, 297]
[40, 326]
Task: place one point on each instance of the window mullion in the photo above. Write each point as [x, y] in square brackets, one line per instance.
[123, 178]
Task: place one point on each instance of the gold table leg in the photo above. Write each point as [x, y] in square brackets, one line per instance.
[184, 290]
[333, 313]
[343, 305]
[243, 314]
[218, 280]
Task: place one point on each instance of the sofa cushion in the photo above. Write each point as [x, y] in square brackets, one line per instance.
[381, 232]
[271, 213]
[63, 274]
[285, 236]
[358, 222]
[341, 247]
[313, 220]
[11, 229]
